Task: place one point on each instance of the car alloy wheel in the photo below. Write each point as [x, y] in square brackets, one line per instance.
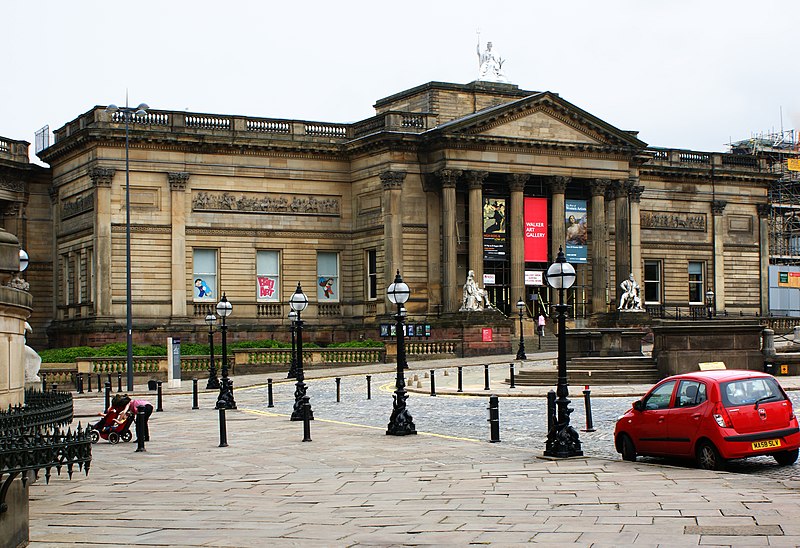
[708, 458]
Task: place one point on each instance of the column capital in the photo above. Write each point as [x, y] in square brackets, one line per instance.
[177, 180]
[718, 206]
[619, 188]
[558, 184]
[448, 177]
[599, 186]
[392, 180]
[475, 179]
[764, 210]
[516, 181]
[635, 193]
[53, 192]
[101, 176]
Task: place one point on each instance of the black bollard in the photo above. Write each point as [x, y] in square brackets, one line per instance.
[99, 382]
[79, 383]
[194, 394]
[54, 387]
[306, 418]
[108, 395]
[551, 410]
[511, 375]
[119, 381]
[587, 403]
[223, 429]
[338, 389]
[269, 393]
[460, 379]
[44, 381]
[88, 382]
[433, 383]
[486, 377]
[158, 405]
[494, 418]
[139, 426]
[109, 377]
[369, 387]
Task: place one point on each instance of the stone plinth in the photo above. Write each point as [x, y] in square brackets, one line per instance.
[583, 343]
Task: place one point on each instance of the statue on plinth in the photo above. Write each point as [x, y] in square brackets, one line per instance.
[32, 360]
[490, 65]
[630, 301]
[475, 298]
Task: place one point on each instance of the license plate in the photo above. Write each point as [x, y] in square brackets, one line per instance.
[766, 444]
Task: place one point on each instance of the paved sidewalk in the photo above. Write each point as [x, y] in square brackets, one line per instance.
[355, 486]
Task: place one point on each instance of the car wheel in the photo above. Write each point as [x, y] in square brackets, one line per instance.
[627, 448]
[113, 437]
[708, 458]
[785, 458]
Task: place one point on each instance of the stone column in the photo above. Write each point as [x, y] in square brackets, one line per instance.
[637, 266]
[392, 224]
[717, 209]
[101, 180]
[177, 187]
[475, 181]
[431, 186]
[449, 259]
[558, 186]
[599, 248]
[516, 232]
[622, 244]
[764, 212]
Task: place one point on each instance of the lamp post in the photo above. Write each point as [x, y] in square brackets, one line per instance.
[710, 303]
[562, 439]
[401, 423]
[521, 350]
[213, 381]
[225, 399]
[127, 113]
[293, 362]
[298, 302]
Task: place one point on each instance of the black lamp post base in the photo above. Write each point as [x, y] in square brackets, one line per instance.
[213, 383]
[225, 398]
[401, 423]
[563, 442]
[521, 353]
[298, 411]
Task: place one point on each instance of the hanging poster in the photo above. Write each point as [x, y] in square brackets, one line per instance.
[494, 229]
[535, 230]
[576, 231]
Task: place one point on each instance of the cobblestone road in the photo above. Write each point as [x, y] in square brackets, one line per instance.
[523, 420]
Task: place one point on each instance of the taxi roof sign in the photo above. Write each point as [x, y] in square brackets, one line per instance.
[711, 366]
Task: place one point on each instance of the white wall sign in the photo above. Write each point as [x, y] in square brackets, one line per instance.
[534, 277]
[489, 279]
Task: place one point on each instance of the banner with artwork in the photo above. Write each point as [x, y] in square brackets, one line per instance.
[535, 219]
[494, 229]
[577, 231]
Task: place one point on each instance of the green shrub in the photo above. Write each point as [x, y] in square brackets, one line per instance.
[368, 343]
[192, 349]
[66, 355]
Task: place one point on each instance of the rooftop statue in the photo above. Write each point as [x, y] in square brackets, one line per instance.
[490, 64]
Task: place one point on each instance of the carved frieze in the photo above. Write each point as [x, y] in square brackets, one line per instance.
[265, 203]
[671, 220]
[81, 204]
[11, 184]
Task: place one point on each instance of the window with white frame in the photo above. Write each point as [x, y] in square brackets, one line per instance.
[327, 277]
[652, 282]
[372, 274]
[268, 276]
[204, 275]
[696, 293]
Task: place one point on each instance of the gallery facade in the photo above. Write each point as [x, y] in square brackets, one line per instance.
[444, 179]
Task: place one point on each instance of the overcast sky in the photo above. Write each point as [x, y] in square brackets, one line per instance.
[684, 73]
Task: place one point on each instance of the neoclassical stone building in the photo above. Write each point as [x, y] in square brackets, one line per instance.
[444, 179]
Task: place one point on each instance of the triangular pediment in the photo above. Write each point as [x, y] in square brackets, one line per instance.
[543, 117]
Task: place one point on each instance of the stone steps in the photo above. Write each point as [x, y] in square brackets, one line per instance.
[595, 371]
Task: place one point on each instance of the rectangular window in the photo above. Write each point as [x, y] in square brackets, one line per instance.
[65, 278]
[652, 282]
[696, 282]
[204, 275]
[327, 277]
[268, 276]
[372, 274]
[90, 275]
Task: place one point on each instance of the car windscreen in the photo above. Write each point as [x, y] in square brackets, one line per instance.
[750, 391]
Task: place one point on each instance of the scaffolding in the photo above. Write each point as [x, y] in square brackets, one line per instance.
[781, 151]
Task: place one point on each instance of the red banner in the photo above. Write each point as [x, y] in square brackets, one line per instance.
[536, 230]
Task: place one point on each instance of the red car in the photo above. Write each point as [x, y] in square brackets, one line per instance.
[711, 416]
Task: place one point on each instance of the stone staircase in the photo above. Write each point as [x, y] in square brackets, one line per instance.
[549, 343]
[595, 371]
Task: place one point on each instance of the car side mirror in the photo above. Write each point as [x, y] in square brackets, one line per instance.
[638, 405]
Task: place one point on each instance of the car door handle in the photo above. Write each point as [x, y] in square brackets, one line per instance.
[696, 416]
[660, 419]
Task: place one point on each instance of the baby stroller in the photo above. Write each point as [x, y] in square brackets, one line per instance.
[109, 429]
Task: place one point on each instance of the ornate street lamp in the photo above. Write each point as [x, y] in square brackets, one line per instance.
[298, 302]
[225, 399]
[562, 439]
[127, 114]
[710, 303]
[521, 350]
[293, 363]
[401, 423]
[213, 381]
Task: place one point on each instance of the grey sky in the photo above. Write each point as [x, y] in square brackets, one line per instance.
[689, 74]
